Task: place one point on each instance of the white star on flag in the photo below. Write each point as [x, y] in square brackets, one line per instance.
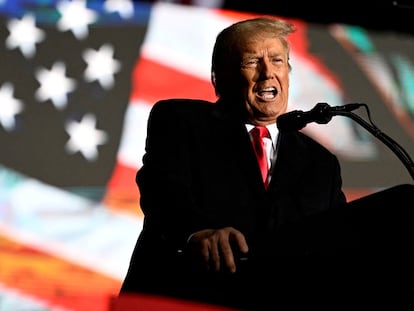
[9, 106]
[125, 8]
[54, 85]
[24, 35]
[84, 137]
[75, 17]
[101, 65]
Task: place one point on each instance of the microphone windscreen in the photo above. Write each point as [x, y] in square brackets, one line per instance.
[291, 121]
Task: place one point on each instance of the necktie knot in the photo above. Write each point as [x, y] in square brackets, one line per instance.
[258, 133]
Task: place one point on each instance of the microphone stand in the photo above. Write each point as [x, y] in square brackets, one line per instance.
[388, 141]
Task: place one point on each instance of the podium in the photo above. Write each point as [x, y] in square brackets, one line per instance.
[359, 254]
[141, 302]
[362, 253]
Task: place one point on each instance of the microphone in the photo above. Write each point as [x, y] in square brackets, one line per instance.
[322, 113]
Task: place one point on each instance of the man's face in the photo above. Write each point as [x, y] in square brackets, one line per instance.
[265, 76]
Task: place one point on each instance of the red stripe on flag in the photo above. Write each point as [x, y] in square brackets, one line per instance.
[153, 81]
[122, 192]
[53, 280]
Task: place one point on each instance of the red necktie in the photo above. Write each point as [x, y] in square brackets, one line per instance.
[258, 133]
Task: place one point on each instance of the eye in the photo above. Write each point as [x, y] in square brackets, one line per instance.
[250, 63]
[276, 60]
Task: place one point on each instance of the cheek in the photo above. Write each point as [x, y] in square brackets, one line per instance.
[285, 77]
[249, 76]
[247, 85]
[250, 85]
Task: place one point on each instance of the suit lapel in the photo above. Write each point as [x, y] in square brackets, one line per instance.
[237, 141]
[289, 163]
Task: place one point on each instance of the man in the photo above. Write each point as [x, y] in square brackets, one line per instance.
[215, 228]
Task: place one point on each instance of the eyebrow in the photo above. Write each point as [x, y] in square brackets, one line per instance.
[249, 55]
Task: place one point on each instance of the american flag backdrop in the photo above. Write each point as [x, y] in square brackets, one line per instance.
[77, 81]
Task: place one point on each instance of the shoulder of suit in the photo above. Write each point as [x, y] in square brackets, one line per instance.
[184, 103]
[181, 109]
[308, 141]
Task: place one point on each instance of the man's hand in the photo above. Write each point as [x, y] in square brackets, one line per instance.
[217, 247]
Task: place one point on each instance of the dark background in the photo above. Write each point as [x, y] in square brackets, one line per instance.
[376, 14]
[383, 15]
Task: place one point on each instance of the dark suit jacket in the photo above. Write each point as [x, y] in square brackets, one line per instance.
[199, 172]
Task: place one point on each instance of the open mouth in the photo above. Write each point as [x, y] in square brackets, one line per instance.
[267, 93]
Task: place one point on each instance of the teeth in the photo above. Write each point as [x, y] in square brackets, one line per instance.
[268, 93]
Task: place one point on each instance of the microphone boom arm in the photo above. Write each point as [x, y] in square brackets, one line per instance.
[388, 141]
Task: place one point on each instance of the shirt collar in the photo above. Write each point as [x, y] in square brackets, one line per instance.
[273, 130]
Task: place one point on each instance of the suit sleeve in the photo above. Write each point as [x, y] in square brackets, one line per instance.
[165, 179]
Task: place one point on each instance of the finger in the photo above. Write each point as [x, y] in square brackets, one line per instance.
[240, 241]
[214, 256]
[227, 255]
[205, 255]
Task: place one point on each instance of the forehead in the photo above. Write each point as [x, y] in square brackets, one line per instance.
[259, 44]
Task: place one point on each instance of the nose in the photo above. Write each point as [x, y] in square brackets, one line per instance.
[266, 68]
